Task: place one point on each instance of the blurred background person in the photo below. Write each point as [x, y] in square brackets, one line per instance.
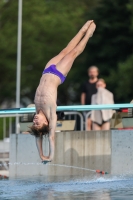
[101, 118]
[88, 89]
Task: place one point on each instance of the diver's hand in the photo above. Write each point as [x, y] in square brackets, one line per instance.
[45, 159]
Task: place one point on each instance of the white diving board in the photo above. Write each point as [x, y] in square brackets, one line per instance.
[68, 108]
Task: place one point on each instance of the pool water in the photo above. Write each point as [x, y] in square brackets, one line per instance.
[93, 186]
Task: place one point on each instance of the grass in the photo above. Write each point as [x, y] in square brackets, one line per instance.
[7, 127]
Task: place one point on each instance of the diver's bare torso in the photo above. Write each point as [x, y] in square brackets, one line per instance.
[46, 94]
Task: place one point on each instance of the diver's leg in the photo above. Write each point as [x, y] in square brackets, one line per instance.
[65, 64]
[71, 45]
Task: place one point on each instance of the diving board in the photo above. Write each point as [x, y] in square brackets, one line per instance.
[68, 108]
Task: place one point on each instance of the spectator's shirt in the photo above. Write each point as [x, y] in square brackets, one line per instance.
[89, 89]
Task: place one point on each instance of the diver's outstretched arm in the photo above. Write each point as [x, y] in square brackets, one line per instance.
[39, 141]
[45, 159]
[39, 146]
[52, 126]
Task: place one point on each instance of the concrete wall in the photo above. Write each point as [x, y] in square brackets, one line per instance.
[122, 152]
[111, 151]
[81, 149]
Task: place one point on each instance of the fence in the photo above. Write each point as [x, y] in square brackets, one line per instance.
[74, 110]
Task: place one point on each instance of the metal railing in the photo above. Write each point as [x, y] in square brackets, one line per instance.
[68, 108]
[80, 116]
[9, 123]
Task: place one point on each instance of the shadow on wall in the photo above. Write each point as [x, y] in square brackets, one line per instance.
[89, 150]
[94, 162]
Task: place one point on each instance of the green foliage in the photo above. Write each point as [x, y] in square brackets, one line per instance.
[46, 32]
[1, 128]
[47, 28]
[112, 43]
[8, 37]
[6, 127]
[123, 77]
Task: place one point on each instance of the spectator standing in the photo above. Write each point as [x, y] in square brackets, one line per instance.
[101, 118]
[88, 89]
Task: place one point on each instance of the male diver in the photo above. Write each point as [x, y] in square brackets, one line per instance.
[54, 74]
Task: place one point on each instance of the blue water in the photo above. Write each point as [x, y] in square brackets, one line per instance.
[93, 186]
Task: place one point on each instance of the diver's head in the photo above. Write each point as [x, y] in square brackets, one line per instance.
[40, 125]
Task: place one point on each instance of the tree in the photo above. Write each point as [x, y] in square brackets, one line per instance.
[46, 29]
[124, 74]
[112, 43]
[8, 46]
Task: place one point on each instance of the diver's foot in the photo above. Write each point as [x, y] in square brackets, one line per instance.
[91, 29]
[86, 26]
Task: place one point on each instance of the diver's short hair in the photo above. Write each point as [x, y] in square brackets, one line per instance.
[37, 132]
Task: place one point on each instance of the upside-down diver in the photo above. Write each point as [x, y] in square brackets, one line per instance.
[54, 74]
